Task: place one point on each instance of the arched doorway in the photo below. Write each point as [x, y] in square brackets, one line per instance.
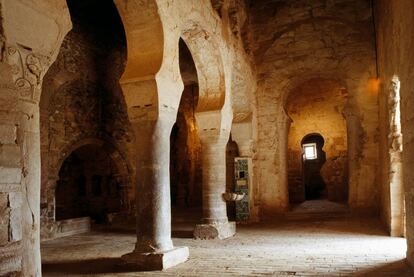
[89, 185]
[313, 158]
[316, 110]
[185, 146]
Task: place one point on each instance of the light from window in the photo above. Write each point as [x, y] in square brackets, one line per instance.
[309, 151]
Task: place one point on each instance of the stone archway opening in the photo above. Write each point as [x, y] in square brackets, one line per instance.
[185, 146]
[315, 108]
[82, 103]
[89, 185]
[313, 159]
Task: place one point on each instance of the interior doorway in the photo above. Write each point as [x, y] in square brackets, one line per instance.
[313, 158]
[318, 128]
[89, 185]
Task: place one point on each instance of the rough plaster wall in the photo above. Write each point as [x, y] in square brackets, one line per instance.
[316, 107]
[82, 99]
[295, 41]
[395, 43]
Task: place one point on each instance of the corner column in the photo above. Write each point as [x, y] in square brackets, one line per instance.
[154, 249]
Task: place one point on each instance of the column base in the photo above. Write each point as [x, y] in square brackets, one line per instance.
[156, 260]
[215, 230]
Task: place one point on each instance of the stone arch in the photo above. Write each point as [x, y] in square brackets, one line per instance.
[151, 82]
[122, 169]
[297, 81]
[318, 20]
[333, 104]
[209, 65]
[145, 38]
[122, 165]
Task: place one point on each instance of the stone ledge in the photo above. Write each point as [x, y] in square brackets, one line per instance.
[215, 230]
[156, 260]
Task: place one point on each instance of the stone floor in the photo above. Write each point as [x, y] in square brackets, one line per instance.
[329, 247]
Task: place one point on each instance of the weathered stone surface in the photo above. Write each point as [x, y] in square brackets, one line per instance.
[82, 104]
[7, 134]
[316, 106]
[10, 155]
[395, 43]
[156, 260]
[297, 41]
[4, 218]
[10, 175]
[31, 46]
[269, 72]
[215, 230]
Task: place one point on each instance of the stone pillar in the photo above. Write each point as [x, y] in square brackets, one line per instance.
[215, 223]
[355, 144]
[20, 162]
[395, 162]
[34, 33]
[30, 147]
[11, 190]
[154, 248]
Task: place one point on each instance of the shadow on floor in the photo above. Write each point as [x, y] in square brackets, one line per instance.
[182, 234]
[90, 266]
[398, 268]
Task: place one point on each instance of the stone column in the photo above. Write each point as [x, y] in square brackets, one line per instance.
[154, 248]
[215, 223]
[20, 159]
[395, 162]
[34, 32]
[355, 135]
[11, 191]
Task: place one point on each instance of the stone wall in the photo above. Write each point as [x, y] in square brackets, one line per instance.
[395, 43]
[82, 102]
[296, 41]
[316, 107]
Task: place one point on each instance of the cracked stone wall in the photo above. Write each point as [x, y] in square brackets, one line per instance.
[82, 99]
[395, 43]
[296, 41]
